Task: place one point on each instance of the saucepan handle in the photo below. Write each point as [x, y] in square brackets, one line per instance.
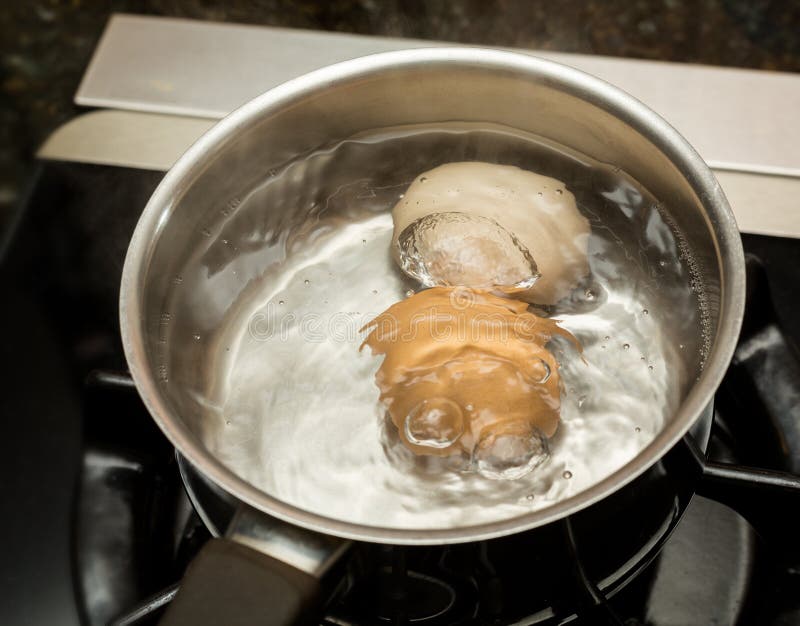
[265, 571]
[232, 584]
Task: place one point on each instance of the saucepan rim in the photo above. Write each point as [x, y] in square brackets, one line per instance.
[730, 258]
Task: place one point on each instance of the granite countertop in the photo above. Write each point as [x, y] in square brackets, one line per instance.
[47, 43]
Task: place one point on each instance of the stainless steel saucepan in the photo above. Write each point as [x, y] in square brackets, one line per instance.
[192, 233]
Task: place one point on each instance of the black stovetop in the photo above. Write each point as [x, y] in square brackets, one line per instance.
[95, 518]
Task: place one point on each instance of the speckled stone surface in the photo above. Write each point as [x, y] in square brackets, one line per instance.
[46, 44]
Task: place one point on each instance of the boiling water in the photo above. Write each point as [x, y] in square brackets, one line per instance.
[290, 404]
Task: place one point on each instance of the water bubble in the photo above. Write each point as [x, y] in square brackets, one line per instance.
[434, 423]
[559, 191]
[423, 179]
[637, 429]
[626, 346]
[165, 318]
[650, 367]
[227, 422]
[645, 312]
[470, 407]
[177, 280]
[529, 497]
[590, 295]
[374, 291]
[225, 241]
[280, 302]
[567, 474]
[545, 371]
[364, 241]
[206, 232]
[510, 454]
[681, 346]
[581, 401]
[196, 337]
[607, 337]
[453, 248]
[409, 293]
[662, 263]
[642, 359]
[307, 282]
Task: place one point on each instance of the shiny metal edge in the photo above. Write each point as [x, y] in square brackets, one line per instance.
[308, 551]
[736, 119]
[124, 138]
[685, 157]
[764, 204]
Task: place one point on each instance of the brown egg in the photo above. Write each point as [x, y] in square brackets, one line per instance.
[464, 369]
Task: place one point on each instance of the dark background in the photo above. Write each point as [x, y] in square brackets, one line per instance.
[46, 44]
[60, 316]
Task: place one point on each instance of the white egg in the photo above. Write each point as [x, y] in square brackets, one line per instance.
[539, 211]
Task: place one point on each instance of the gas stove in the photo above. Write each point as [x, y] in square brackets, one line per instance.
[100, 522]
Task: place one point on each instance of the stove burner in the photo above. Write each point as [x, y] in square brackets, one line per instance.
[404, 585]
[411, 595]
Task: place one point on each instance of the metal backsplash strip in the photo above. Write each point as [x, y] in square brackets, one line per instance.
[763, 204]
[743, 122]
[737, 119]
